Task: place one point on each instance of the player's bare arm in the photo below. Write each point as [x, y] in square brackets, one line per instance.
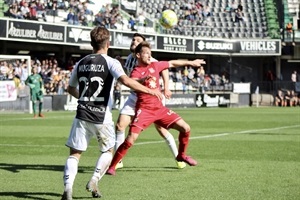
[133, 84]
[180, 63]
[165, 77]
[73, 91]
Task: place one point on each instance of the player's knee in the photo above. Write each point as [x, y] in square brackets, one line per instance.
[119, 127]
[182, 126]
[186, 128]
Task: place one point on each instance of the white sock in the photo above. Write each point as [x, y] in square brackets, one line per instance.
[172, 144]
[102, 165]
[70, 172]
[120, 138]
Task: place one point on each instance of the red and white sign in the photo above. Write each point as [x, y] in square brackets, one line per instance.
[8, 91]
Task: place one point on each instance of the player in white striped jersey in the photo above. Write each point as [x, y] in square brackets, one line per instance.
[128, 111]
[95, 75]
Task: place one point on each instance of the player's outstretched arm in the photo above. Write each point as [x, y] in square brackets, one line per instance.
[165, 77]
[133, 84]
[181, 63]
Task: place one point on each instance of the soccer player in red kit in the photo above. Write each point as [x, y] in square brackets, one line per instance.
[151, 110]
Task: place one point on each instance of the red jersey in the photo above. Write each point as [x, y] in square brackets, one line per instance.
[152, 71]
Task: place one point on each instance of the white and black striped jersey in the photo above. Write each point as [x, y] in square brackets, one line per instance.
[95, 75]
[130, 64]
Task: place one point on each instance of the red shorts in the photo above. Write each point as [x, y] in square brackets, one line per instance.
[143, 118]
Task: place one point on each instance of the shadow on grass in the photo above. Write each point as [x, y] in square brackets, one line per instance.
[34, 195]
[150, 169]
[16, 168]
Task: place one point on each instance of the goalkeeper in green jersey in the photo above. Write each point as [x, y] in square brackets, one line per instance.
[35, 82]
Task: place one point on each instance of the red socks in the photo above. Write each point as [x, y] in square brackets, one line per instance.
[183, 143]
[120, 153]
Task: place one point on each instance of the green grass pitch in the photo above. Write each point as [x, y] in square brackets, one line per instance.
[244, 153]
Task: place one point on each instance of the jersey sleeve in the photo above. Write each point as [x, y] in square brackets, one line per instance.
[162, 65]
[73, 82]
[116, 68]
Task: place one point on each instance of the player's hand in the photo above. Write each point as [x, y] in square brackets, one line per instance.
[156, 93]
[167, 93]
[197, 62]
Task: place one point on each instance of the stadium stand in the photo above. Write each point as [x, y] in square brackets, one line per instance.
[219, 18]
[211, 19]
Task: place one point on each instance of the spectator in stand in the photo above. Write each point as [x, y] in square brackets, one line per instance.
[41, 10]
[52, 7]
[59, 89]
[239, 16]
[131, 23]
[24, 74]
[234, 6]
[200, 77]
[99, 19]
[33, 11]
[25, 11]
[82, 18]
[293, 98]
[13, 11]
[279, 99]
[185, 80]
[287, 98]
[178, 75]
[191, 74]
[289, 29]
[207, 82]
[294, 77]
[3, 70]
[10, 71]
[240, 6]
[72, 18]
[141, 20]
[206, 11]
[224, 80]
[18, 69]
[47, 88]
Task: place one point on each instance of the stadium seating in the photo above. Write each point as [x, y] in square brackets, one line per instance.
[221, 22]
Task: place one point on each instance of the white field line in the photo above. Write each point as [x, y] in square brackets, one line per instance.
[31, 118]
[162, 141]
[226, 134]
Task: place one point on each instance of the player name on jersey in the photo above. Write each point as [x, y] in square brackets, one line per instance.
[91, 68]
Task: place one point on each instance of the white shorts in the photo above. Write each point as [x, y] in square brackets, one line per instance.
[82, 131]
[129, 105]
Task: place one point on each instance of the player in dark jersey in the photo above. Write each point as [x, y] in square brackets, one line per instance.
[150, 110]
[92, 83]
[35, 83]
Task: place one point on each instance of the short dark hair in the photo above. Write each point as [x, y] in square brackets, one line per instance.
[139, 47]
[139, 35]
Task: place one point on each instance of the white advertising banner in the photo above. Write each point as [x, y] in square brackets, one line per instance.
[241, 88]
[8, 91]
